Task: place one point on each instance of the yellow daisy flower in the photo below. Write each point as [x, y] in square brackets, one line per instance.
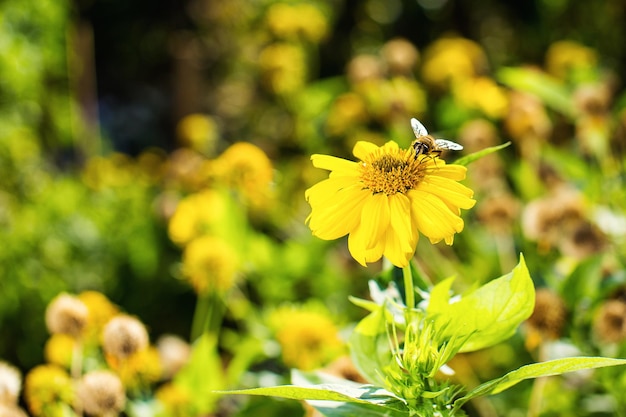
[383, 200]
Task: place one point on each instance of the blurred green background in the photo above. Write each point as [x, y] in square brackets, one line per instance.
[112, 112]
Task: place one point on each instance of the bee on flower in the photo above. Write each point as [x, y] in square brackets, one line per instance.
[383, 201]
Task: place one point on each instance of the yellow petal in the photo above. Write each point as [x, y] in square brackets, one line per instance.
[395, 250]
[366, 242]
[363, 149]
[325, 190]
[451, 192]
[359, 251]
[332, 163]
[374, 219]
[400, 216]
[432, 217]
[452, 171]
[335, 219]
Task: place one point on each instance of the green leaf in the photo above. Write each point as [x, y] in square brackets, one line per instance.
[440, 296]
[203, 374]
[357, 409]
[547, 88]
[536, 370]
[491, 313]
[467, 159]
[369, 345]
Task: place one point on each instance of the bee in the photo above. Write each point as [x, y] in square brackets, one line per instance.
[425, 144]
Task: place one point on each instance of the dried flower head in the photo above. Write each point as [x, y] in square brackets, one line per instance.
[401, 56]
[610, 322]
[549, 218]
[10, 384]
[174, 353]
[548, 318]
[67, 314]
[124, 335]
[7, 410]
[499, 212]
[364, 68]
[584, 239]
[101, 393]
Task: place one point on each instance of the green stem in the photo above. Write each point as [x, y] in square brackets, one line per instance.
[208, 315]
[409, 291]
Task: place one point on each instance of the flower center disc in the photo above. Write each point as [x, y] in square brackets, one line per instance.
[392, 171]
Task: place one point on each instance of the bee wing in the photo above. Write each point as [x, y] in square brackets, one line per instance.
[418, 128]
[448, 144]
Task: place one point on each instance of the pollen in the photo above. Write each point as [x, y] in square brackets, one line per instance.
[391, 172]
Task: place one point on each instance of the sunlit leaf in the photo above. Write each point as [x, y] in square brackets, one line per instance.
[536, 370]
[369, 345]
[491, 313]
[203, 374]
[547, 88]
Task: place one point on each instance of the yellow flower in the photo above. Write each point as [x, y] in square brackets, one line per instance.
[175, 400]
[291, 21]
[449, 60]
[565, 57]
[101, 310]
[138, 370]
[383, 201]
[209, 264]
[246, 168]
[196, 215]
[283, 67]
[307, 335]
[199, 132]
[58, 350]
[48, 391]
[484, 94]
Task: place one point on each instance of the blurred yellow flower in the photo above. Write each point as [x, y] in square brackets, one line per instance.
[246, 168]
[58, 350]
[484, 94]
[449, 60]
[565, 57]
[116, 170]
[393, 99]
[291, 21]
[283, 67]
[48, 391]
[175, 400]
[383, 201]
[100, 311]
[139, 370]
[196, 215]
[209, 264]
[347, 112]
[307, 334]
[199, 132]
